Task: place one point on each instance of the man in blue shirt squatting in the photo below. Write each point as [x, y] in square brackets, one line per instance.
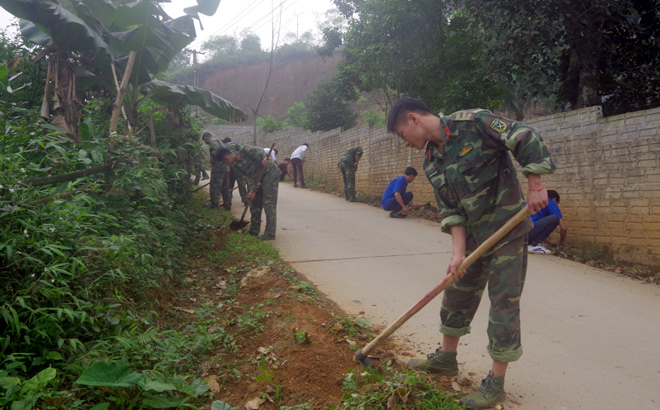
[545, 222]
[467, 162]
[395, 198]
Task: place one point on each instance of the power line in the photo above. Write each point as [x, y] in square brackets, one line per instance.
[260, 22]
[235, 20]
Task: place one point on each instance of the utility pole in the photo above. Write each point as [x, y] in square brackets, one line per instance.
[195, 76]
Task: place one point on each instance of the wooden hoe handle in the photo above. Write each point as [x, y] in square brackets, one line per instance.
[449, 279]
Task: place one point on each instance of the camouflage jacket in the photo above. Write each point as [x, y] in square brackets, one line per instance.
[249, 165]
[215, 146]
[473, 177]
[350, 156]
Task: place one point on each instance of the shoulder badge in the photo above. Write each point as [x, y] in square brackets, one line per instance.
[466, 149]
[498, 125]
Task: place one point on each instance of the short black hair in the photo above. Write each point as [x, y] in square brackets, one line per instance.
[410, 171]
[221, 154]
[287, 159]
[226, 140]
[306, 144]
[207, 135]
[401, 107]
[552, 194]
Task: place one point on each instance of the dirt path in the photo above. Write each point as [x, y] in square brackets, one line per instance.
[590, 337]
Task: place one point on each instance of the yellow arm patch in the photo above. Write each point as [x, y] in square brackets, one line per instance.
[498, 125]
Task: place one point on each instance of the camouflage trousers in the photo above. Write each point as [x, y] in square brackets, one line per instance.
[265, 199]
[220, 186]
[503, 269]
[236, 178]
[348, 173]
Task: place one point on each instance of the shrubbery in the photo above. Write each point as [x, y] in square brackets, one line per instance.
[79, 257]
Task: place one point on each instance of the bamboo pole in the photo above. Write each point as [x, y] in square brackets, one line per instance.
[63, 195]
[39, 181]
[123, 109]
[114, 121]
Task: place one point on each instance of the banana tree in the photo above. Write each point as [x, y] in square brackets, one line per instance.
[85, 39]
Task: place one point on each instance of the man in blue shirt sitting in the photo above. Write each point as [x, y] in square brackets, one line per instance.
[395, 198]
[545, 221]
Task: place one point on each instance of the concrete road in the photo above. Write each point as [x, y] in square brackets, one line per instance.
[591, 339]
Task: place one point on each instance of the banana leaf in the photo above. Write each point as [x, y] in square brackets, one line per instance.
[172, 94]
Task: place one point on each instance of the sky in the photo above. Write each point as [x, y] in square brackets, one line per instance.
[234, 16]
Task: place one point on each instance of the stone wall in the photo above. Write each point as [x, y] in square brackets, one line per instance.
[608, 172]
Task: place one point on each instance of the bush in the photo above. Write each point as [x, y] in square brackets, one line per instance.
[269, 125]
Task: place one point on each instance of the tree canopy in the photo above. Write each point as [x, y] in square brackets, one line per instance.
[598, 52]
[471, 53]
[327, 111]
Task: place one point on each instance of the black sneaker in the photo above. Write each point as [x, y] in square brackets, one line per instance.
[397, 215]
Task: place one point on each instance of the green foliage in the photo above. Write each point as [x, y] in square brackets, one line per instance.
[25, 394]
[22, 78]
[327, 110]
[218, 46]
[301, 337]
[221, 405]
[269, 125]
[76, 273]
[597, 52]
[373, 117]
[251, 43]
[567, 54]
[150, 389]
[296, 116]
[355, 327]
[332, 40]
[101, 33]
[266, 377]
[387, 387]
[253, 319]
[398, 47]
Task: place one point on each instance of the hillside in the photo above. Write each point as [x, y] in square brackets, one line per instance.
[291, 81]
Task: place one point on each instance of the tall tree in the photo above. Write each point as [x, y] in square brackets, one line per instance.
[250, 43]
[421, 48]
[597, 51]
[85, 39]
[326, 110]
[218, 46]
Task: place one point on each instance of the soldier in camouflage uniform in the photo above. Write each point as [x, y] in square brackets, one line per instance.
[219, 174]
[468, 163]
[263, 196]
[235, 177]
[348, 164]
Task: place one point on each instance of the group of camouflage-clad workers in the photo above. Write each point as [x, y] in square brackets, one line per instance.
[231, 162]
[467, 161]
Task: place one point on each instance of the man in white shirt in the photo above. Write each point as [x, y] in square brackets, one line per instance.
[272, 154]
[297, 160]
